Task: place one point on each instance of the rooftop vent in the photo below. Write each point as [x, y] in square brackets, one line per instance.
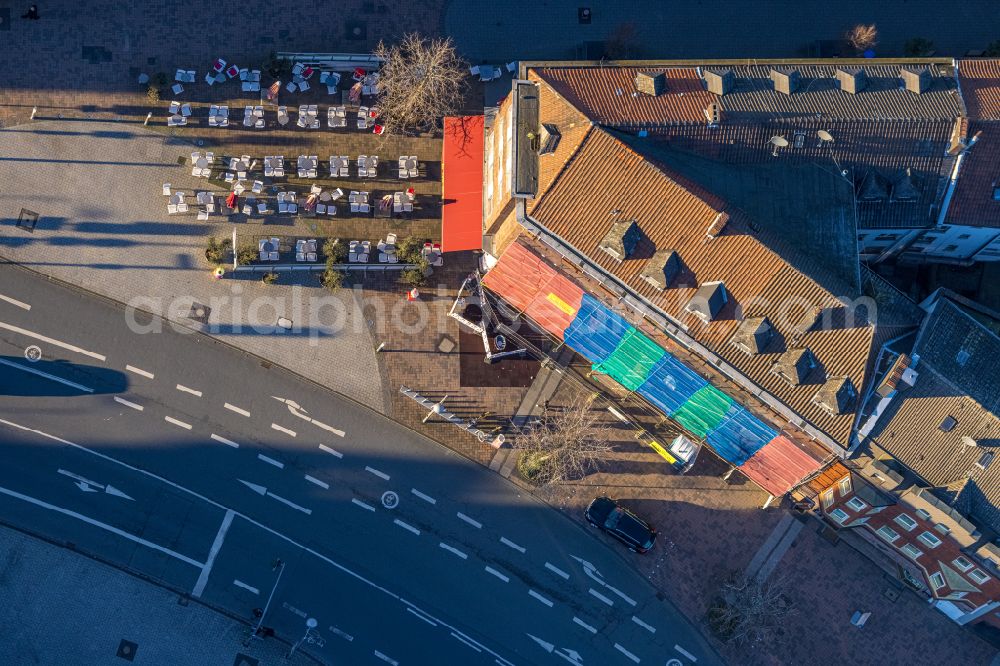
[905, 189]
[873, 187]
[662, 269]
[621, 239]
[651, 83]
[718, 224]
[720, 81]
[795, 365]
[706, 303]
[852, 79]
[753, 335]
[985, 459]
[948, 424]
[549, 139]
[785, 80]
[916, 79]
[837, 396]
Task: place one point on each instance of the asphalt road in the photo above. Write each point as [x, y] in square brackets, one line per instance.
[200, 466]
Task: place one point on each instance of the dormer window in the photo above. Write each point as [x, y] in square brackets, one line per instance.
[549, 139]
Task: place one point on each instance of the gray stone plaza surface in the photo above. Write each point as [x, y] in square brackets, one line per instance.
[61, 607]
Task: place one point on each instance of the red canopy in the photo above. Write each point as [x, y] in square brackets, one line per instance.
[462, 184]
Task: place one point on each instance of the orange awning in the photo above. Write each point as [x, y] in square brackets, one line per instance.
[462, 184]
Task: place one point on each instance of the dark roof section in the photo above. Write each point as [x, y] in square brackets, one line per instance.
[980, 81]
[527, 141]
[975, 202]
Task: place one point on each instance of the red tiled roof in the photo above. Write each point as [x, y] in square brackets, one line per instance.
[972, 203]
[980, 82]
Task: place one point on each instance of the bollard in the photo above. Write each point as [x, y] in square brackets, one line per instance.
[148, 117]
[34, 110]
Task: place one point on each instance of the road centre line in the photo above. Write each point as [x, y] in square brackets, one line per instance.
[301, 546]
[407, 526]
[601, 597]
[128, 403]
[507, 542]
[332, 452]
[223, 440]
[290, 433]
[140, 371]
[170, 419]
[206, 570]
[422, 617]
[185, 389]
[454, 550]
[626, 653]
[249, 588]
[234, 408]
[51, 341]
[499, 575]
[270, 461]
[545, 601]
[386, 658]
[289, 503]
[426, 498]
[584, 625]
[322, 484]
[648, 627]
[33, 371]
[99, 524]
[14, 301]
[362, 504]
[474, 523]
[381, 475]
[686, 653]
[556, 570]
[463, 640]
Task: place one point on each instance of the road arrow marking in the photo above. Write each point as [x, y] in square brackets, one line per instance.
[84, 487]
[548, 647]
[111, 490]
[259, 489]
[88, 486]
[596, 576]
[296, 409]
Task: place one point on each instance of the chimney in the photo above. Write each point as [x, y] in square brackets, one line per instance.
[720, 81]
[708, 301]
[713, 114]
[662, 269]
[753, 335]
[852, 79]
[916, 79]
[837, 396]
[795, 365]
[718, 225]
[651, 83]
[621, 240]
[785, 80]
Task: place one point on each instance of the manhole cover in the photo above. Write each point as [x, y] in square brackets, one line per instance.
[390, 500]
[27, 219]
[33, 353]
[200, 313]
[126, 650]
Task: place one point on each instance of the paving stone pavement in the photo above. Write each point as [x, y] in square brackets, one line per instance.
[61, 607]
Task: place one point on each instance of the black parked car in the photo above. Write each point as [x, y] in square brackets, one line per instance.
[621, 523]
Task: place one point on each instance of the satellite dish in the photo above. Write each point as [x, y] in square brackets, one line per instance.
[824, 135]
[778, 142]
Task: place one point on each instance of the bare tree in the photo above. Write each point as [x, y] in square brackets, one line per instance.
[863, 37]
[749, 610]
[420, 81]
[564, 444]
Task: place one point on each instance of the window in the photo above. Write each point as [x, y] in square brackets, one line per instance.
[930, 540]
[906, 522]
[839, 515]
[964, 236]
[886, 237]
[948, 424]
[937, 581]
[912, 551]
[845, 485]
[887, 533]
[962, 563]
[950, 248]
[978, 576]
[856, 504]
[943, 529]
[826, 499]
[923, 515]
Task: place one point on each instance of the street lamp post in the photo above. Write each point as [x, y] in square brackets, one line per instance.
[279, 565]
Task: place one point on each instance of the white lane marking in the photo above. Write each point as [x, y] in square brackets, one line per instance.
[185, 389]
[545, 601]
[648, 627]
[454, 550]
[332, 452]
[14, 301]
[290, 433]
[322, 484]
[140, 371]
[296, 409]
[227, 442]
[377, 473]
[556, 570]
[287, 539]
[422, 617]
[584, 625]
[626, 653]
[407, 526]
[57, 343]
[99, 524]
[32, 371]
[127, 403]
[463, 640]
[426, 498]
[289, 503]
[386, 658]
[362, 504]
[474, 523]
[499, 575]
[249, 588]
[601, 597]
[685, 653]
[170, 419]
[629, 600]
[234, 408]
[507, 542]
[88, 486]
[206, 571]
[270, 461]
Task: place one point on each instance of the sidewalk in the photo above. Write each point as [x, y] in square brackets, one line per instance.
[61, 607]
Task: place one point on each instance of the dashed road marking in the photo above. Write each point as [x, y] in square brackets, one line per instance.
[626, 653]
[545, 601]
[322, 484]
[648, 627]
[290, 503]
[556, 570]
[332, 452]
[380, 474]
[685, 653]
[140, 371]
[507, 542]
[467, 642]
[14, 301]
[584, 625]
[290, 433]
[407, 526]
[601, 597]
[499, 575]
[422, 616]
[363, 505]
[474, 523]
[270, 461]
[170, 419]
[386, 658]
[127, 403]
[250, 588]
[185, 389]
[223, 440]
[454, 550]
[426, 498]
[234, 408]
